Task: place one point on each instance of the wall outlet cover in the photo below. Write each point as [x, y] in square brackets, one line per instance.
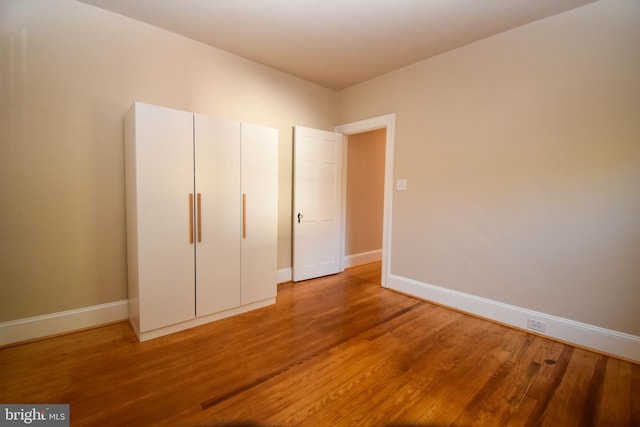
[537, 325]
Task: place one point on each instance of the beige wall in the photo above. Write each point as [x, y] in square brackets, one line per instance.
[68, 74]
[365, 191]
[522, 155]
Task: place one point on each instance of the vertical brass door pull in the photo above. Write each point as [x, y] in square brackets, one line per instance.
[244, 215]
[199, 217]
[190, 217]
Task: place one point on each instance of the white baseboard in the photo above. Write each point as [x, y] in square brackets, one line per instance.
[362, 258]
[600, 339]
[285, 275]
[64, 321]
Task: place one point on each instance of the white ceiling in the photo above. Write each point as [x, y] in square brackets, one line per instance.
[337, 43]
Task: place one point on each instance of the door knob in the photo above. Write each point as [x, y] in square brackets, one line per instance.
[299, 217]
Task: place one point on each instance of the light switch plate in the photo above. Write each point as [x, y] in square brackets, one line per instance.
[401, 184]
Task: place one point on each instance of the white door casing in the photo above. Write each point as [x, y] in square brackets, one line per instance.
[317, 203]
[387, 121]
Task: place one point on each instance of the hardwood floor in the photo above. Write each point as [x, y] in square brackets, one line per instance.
[333, 351]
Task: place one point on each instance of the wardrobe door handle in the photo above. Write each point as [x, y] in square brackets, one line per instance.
[199, 217]
[190, 217]
[244, 215]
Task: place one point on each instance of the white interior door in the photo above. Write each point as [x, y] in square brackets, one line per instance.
[317, 203]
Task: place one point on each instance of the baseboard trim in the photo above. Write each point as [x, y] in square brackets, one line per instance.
[31, 328]
[362, 258]
[285, 275]
[625, 346]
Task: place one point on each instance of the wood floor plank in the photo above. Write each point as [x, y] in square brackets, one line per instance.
[338, 350]
[635, 394]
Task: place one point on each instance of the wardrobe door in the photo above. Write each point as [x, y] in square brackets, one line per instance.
[159, 192]
[218, 214]
[259, 172]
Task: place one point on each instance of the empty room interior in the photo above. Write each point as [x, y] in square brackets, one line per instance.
[278, 213]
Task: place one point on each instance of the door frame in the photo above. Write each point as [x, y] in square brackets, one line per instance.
[388, 122]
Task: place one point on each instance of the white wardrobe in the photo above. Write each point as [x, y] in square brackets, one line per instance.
[201, 203]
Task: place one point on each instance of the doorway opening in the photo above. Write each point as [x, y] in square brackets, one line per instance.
[364, 201]
[386, 125]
